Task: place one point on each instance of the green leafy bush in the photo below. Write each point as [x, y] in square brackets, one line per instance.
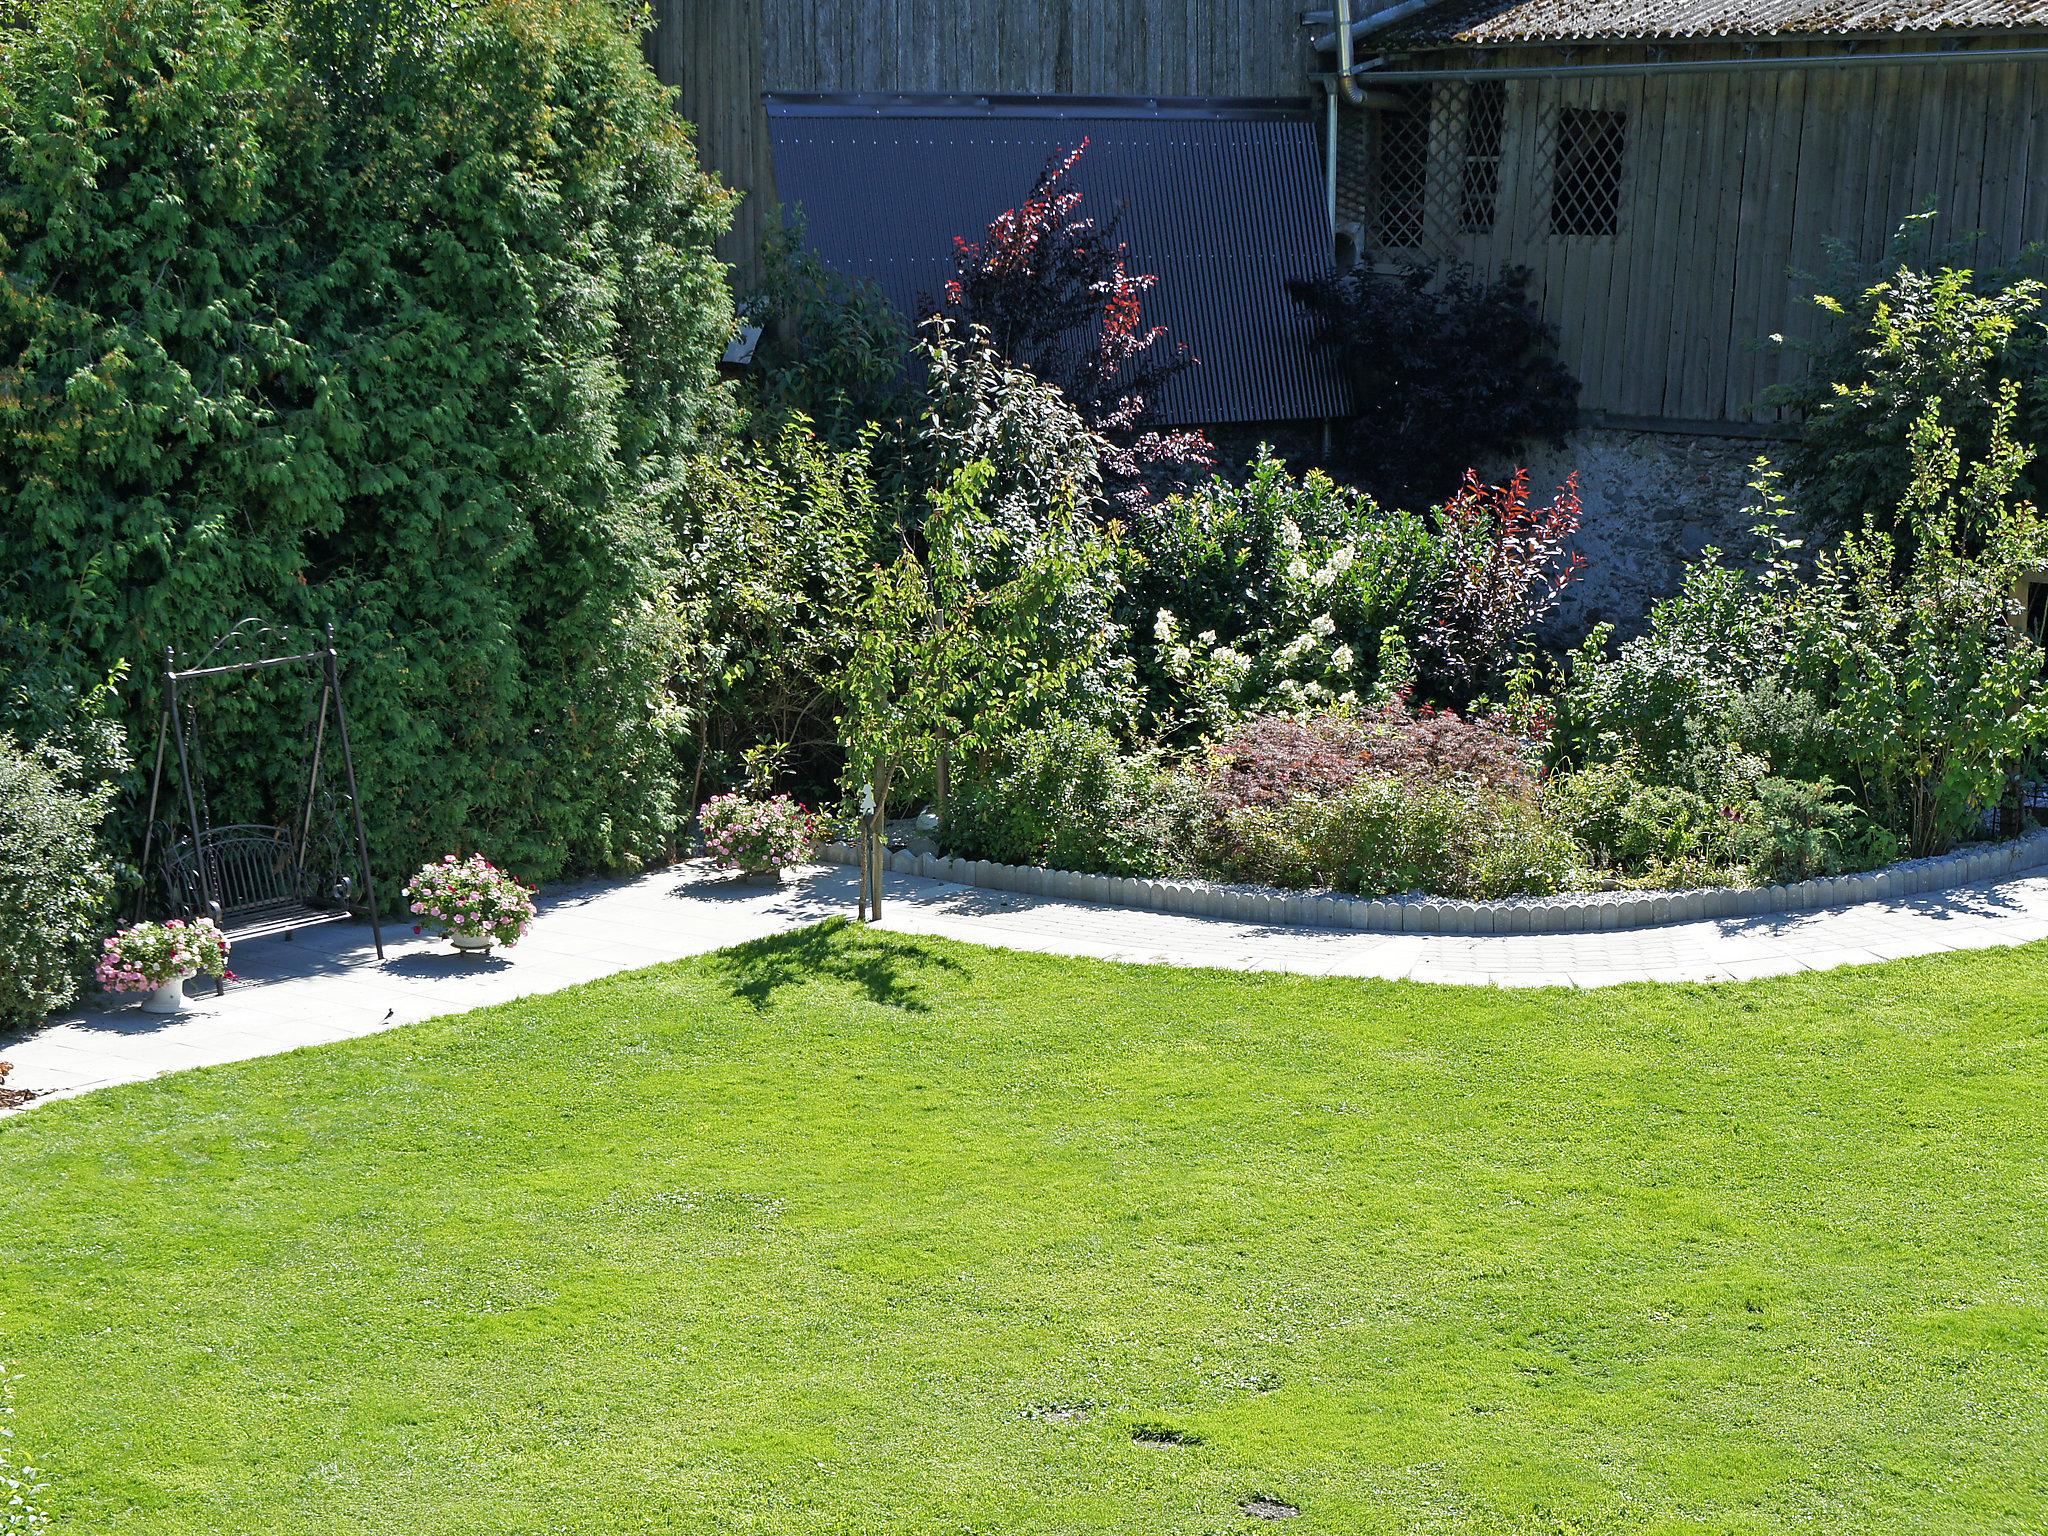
[1069, 797]
[399, 316]
[1386, 835]
[56, 885]
[1922, 334]
[832, 351]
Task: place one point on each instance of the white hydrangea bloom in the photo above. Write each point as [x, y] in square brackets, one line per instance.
[1297, 569]
[1340, 562]
[1342, 658]
[1163, 627]
[1322, 626]
[1290, 533]
[1324, 577]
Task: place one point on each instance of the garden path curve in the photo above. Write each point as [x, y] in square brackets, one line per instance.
[325, 985]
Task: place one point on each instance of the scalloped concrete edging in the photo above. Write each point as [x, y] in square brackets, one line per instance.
[1583, 912]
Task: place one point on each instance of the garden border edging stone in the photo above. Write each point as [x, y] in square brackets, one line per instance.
[1578, 912]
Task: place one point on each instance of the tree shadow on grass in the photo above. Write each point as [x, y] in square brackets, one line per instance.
[889, 968]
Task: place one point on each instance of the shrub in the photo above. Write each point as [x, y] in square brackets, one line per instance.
[1387, 835]
[1920, 335]
[1295, 578]
[1067, 796]
[143, 956]
[400, 316]
[56, 885]
[1500, 567]
[1935, 688]
[1271, 759]
[470, 898]
[832, 350]
[1446, 371]
[757, 835]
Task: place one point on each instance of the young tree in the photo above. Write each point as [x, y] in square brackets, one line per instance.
[953, 648]
[1056, 294]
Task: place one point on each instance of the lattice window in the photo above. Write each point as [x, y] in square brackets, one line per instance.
[1400, 199]
[1486, 111]
[1588, 155]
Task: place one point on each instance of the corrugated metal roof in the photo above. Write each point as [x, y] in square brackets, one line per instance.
[1537, 21]
[1223, 200]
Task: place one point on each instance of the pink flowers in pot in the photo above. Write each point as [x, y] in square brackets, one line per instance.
[470, 898]
[757, 835]
[143, 956]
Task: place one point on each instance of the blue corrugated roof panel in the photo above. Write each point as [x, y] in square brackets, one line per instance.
[1223, 200]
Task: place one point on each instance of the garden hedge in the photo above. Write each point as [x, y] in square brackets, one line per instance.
[399, 317]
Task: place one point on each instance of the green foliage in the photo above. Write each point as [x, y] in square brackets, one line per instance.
[832, 350]
[1937, 691]
[950, 650]
[1918, 337]
[1068, 796]
[1753, 827]
[1274, 592]
[1897, 667]
[56, 885]
[1388, 834]
[404, 318]
[782, 536]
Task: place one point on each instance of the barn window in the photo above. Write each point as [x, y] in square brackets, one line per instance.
[1401, 179]
[1486, 111]
[1585, 188]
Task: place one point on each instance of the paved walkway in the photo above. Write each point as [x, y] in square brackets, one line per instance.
[326, 985]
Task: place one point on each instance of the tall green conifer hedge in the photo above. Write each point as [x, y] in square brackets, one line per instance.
[397, 315]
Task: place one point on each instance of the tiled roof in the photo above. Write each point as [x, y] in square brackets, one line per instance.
[1537, 21]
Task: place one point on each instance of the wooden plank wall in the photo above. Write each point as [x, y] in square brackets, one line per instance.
[1735, 184]
[710, 52]
[722, 54]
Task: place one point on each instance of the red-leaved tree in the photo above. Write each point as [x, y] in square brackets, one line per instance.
[1056, 294]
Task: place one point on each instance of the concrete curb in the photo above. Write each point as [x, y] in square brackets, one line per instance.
[1602, 911]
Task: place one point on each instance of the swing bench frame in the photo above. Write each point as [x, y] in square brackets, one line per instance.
[252, 880]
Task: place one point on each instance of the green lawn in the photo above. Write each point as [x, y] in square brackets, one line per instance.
[848, 1232]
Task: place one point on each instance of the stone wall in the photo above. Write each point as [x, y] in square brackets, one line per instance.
[1652, 501]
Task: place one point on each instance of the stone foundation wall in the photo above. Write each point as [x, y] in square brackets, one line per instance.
[1652, 501]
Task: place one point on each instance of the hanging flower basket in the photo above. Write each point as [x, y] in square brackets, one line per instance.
[158, 958]
[759, 838]
[472, 901]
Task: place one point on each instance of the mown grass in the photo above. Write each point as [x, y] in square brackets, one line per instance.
[846, 1232]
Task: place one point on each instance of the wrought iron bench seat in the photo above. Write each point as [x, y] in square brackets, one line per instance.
[258, 880]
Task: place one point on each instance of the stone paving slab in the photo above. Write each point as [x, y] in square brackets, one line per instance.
[326, 984]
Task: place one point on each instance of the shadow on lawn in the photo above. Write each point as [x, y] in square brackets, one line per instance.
[888, 968]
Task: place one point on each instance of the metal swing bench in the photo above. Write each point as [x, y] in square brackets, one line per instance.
[255, 881]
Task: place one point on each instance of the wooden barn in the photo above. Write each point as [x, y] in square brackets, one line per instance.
[1674, 173]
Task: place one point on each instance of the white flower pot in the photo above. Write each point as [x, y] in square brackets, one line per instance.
[168, 998]
[472, 943]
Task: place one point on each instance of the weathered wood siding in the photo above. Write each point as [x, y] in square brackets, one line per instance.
[1735, 186]
[722, 54]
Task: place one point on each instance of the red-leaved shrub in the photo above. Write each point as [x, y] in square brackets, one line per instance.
[1272, 759]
